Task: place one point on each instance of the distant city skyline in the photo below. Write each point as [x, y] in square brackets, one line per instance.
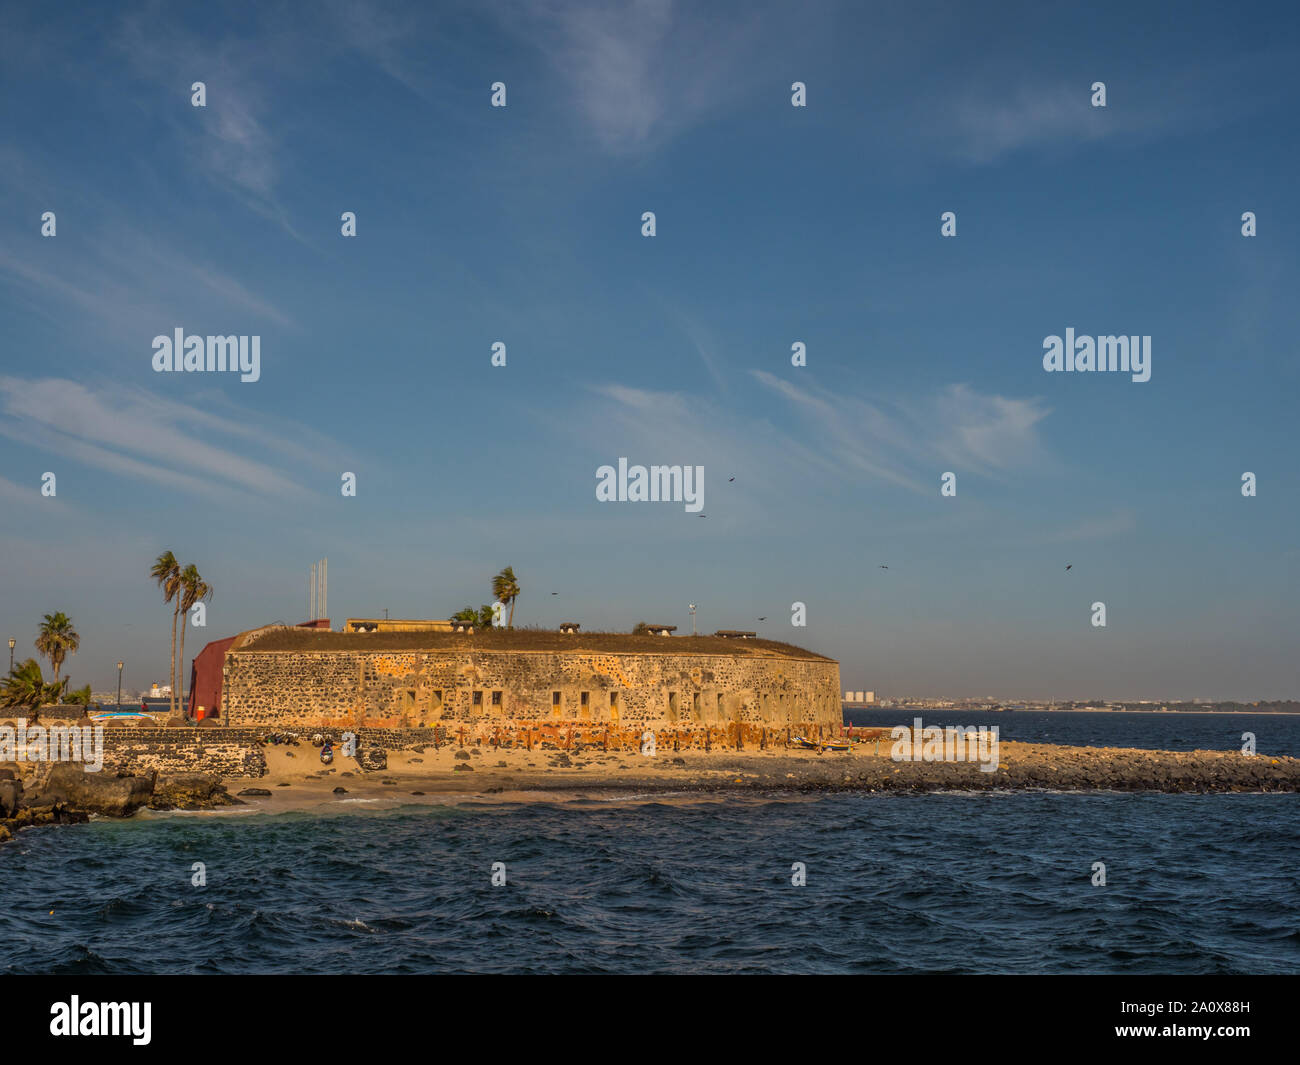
[798, 332]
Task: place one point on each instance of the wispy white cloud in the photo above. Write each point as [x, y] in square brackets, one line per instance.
[135, 434]
[17, 495]
[988, 126]
[133, 284]
[640, 73]
[820, 440]
[230, 141]
[903, 441]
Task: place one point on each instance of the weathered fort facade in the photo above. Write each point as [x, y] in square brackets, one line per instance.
[295, 678]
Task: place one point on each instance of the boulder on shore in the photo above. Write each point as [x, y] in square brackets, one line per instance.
[188, 791]
[11, 795]
[111, 794]
[372, 758]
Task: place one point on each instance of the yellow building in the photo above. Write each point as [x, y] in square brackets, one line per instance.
[395, 625]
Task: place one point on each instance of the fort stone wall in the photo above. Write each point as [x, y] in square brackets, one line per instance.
[422, 689]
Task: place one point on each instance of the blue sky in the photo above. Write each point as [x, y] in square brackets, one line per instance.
[775, 224]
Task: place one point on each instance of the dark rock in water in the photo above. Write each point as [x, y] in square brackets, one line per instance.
[253, 791]
[679, 761]
[462, 756]
[417, 793]
[388, 782]
[463, 769]
[111, 794]
[340, 791]
[345, 773]
[288, 754]
[372, 758]
[283, 784]
[417, 759]
[11, 795]
[188, 791]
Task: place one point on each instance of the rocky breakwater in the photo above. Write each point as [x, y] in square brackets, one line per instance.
[64, 793]
[1033, 767]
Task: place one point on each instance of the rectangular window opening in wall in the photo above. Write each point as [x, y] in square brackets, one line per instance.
[719, 702]
[555, 698]
[585, 699]
[613, 698]
[478, 698]
[437, 698]
[672, 705]
[695, 705]
[496, 698]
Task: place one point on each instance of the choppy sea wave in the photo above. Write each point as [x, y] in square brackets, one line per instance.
[895, 884]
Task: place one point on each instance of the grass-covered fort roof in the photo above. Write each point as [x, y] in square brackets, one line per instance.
[301, 639]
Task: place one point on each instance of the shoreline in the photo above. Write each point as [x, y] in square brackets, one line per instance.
[34, 794]
[459, 772]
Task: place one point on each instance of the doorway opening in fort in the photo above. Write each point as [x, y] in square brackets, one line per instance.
[613, 707]
[584, 706]
[695, 707]
[672, 706]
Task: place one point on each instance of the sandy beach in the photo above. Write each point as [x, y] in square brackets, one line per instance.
[295, 779]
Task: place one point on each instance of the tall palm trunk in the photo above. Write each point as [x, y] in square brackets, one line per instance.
[180, 688]
[175, 612]
[510, 624]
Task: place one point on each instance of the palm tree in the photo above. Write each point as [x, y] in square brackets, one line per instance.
[194, 589]
[166, 573]
[57, 639]
[81, 697]
[506, 589]
[26, 686]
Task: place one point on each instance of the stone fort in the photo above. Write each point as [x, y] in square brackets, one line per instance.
[294, 677]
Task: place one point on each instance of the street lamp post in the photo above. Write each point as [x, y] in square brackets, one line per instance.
[692, 605]
[12, 641]
[119, 685]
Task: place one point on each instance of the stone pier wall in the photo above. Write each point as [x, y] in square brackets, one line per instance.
[420, 689]
[225, 752]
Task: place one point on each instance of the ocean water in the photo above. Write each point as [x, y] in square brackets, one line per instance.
[1274, 733]
[953, 883]
[895, 884]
